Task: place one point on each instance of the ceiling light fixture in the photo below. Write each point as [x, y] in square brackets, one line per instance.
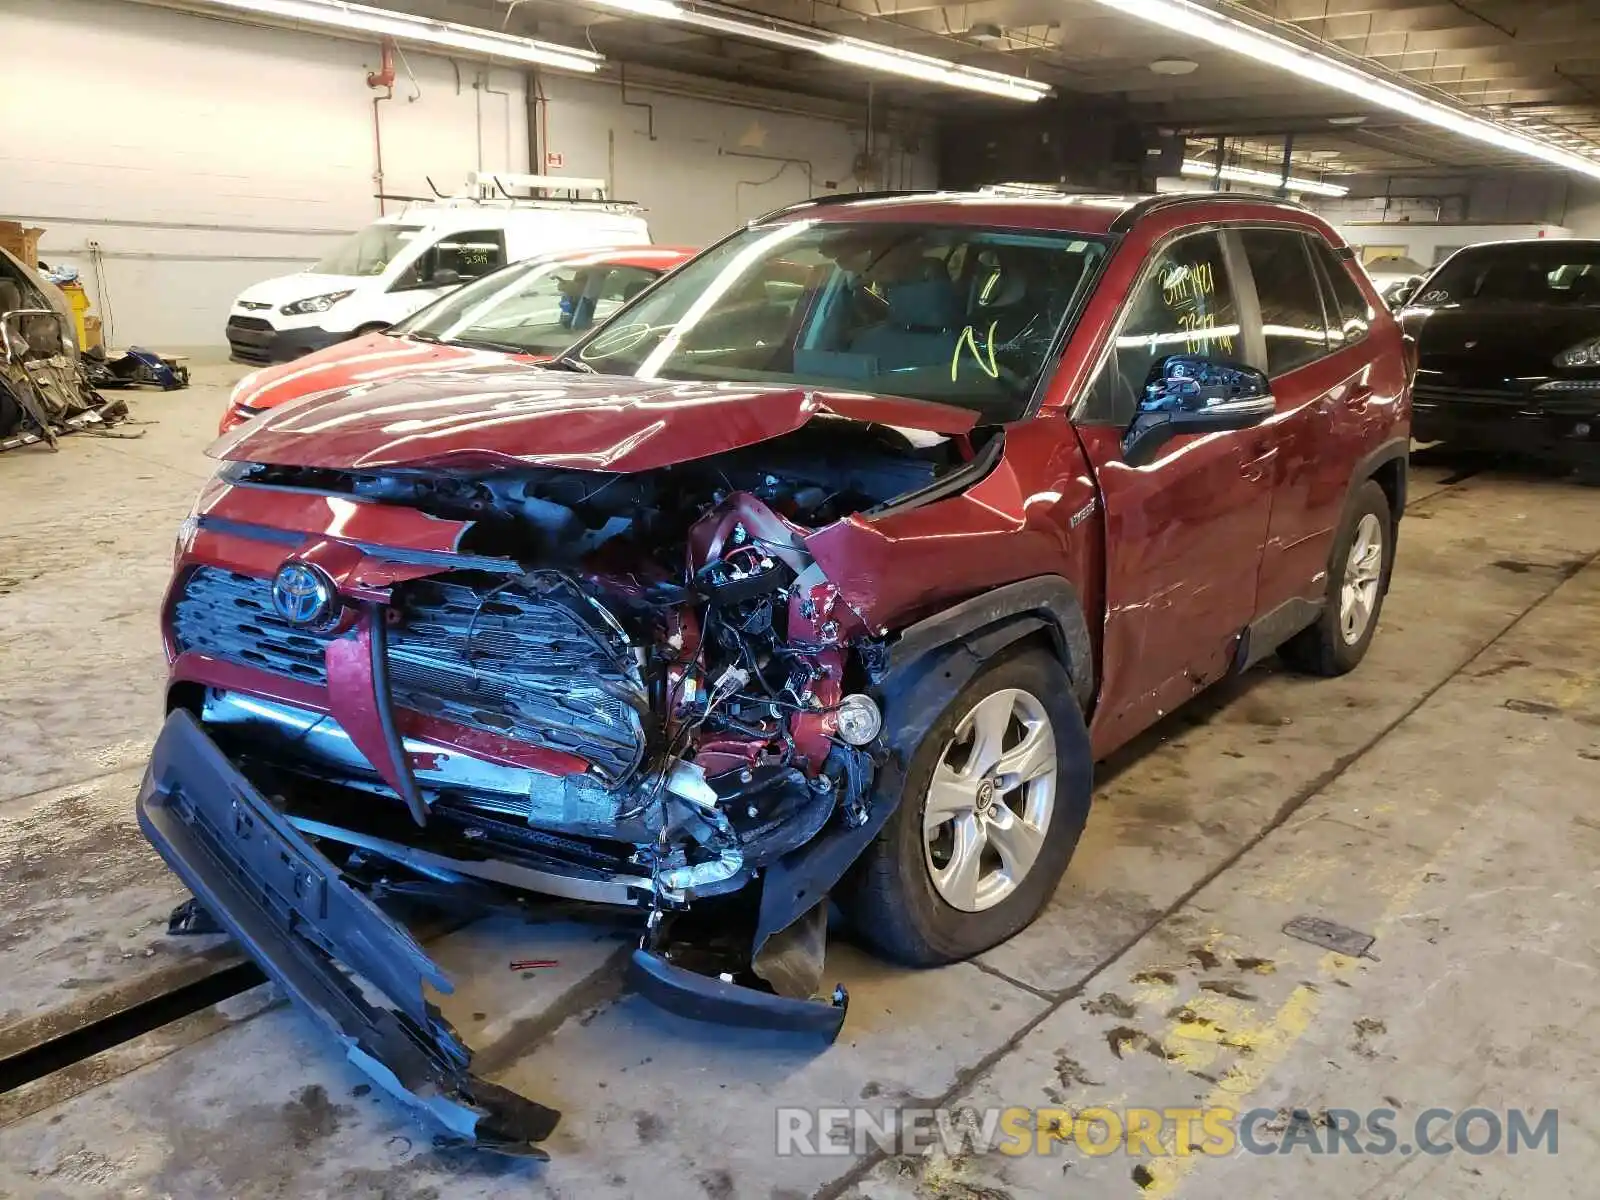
[1194, 168]
[1186, 17]
[1174, 66]
[932, 70]
[404, 27]
[854, 51]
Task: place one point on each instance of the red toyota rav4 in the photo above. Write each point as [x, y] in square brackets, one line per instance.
[816, 577]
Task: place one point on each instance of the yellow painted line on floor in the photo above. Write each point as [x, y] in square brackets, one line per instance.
[1267, 1043]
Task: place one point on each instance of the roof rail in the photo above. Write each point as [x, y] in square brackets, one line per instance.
[844, 198]
[489, 189]
[1141, 209]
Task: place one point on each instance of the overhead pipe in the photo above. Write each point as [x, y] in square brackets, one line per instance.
[384, 78]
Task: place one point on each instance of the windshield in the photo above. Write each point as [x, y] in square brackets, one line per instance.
[1550, 272]
[960, 314]
[531, 308]
[368, 252]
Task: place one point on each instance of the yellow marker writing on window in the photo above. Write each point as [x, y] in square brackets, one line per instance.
[969, 340]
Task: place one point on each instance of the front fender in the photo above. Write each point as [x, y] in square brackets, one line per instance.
[928, 665]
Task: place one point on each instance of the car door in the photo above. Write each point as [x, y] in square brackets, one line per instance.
[461, 256]
[1319, 367]
[1184, 530]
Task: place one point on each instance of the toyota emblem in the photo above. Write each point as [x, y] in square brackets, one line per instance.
[304, 596]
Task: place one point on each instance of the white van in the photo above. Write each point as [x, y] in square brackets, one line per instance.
[410, 258]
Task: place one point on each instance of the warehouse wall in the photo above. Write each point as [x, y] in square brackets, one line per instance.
[1523, 197]
[200, 156]
[175, 158]
[701, 167]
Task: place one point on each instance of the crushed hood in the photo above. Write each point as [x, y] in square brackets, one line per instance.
[514, 413]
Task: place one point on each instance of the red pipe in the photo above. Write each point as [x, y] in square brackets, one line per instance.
[383, 77]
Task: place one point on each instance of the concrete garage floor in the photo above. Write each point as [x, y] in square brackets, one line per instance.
[1439, 799]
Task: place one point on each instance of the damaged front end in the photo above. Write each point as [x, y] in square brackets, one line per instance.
[633, 689]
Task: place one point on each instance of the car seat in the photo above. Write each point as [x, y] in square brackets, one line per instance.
[920, 322]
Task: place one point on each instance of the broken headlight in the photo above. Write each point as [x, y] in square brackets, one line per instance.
[313, 304]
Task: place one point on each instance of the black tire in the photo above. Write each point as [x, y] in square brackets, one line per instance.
[890, 899]
[1321, 649]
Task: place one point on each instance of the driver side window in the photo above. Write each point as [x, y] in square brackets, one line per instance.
[1183, 304]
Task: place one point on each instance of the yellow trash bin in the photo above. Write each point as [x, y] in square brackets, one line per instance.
[79, 299]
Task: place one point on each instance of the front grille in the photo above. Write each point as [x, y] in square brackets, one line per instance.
[257, 323]
[230, 616]
[532, 662]
[253, 305]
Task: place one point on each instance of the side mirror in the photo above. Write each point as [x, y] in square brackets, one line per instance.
[1400, 295]
[445, 277]
[1188, 394]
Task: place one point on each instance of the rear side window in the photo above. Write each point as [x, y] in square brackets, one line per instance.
[1291, 303]
[1349, 314]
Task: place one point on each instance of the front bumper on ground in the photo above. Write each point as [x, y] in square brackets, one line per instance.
[253, 340]
[1558, 427]
[289, 909]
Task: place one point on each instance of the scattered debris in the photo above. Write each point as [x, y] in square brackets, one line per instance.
[1261, 966]
[1124, 1038]
[1537, 708]
[1330, 935]
[1156, 976]
[533, 964]
[1111, 1004]
[1226, 987]
[1071, 1072]
[1207, 960]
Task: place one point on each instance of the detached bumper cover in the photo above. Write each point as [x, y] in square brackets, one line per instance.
[289, 909]
[706, 998]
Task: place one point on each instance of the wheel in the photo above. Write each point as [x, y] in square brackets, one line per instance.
[994, 800]
[1358, 579]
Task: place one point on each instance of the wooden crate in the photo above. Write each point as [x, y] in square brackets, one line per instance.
[21, 240]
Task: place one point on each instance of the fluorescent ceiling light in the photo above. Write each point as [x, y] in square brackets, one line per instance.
[382, 22]
[1186, 17]
[1311, 187]
[853, 51]
[932, 70]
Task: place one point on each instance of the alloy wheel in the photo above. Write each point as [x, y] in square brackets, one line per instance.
[989, 803]
[1363, 571]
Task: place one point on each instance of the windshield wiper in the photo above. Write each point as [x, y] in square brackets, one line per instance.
[562, 363]
[480, 344]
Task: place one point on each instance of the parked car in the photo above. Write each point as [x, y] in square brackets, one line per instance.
[1508, 337]
[405, 261]
[821, 572]
[531, 310]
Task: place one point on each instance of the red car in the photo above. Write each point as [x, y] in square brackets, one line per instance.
[532, 310]
[821, 572]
